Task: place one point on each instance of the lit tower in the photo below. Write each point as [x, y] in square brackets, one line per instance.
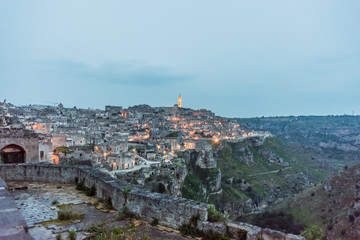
[180, 101]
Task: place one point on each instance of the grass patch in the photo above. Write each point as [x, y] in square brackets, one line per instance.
[98, 232]
[69, 215]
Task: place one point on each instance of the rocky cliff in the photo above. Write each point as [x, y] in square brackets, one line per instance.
[247, 176]
[334, 205]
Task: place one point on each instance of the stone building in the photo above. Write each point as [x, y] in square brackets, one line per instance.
[18, 146]
[58, 141]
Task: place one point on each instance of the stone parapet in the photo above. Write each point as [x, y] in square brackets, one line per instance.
[170, 211]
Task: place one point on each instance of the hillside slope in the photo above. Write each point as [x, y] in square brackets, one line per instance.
[334, 205]
[336, 139]
[251, 175]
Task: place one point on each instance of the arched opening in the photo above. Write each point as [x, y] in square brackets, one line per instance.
[13, 154]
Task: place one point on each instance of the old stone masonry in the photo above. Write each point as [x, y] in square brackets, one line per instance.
[170, 211]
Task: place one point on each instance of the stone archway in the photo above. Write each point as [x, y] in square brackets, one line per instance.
[13, 154]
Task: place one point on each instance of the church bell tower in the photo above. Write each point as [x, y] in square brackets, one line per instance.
[180, 101]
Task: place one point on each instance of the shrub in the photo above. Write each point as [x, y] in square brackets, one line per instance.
[154, 222]
[117, 231]
[126, 191]
[351, 218]
[313, 233]
[69, 215]
[72, 234]
[95, 229]
[58, 237]
[55, 202]
[214, 215]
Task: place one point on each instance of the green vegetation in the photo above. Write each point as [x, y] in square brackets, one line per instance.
[55, 202]
[173, 135]
[313, 233]
[72, 234]
[64, 206]
[314, 210]
[126, 191]
[190, 229]
[193, 188]
[258, 173]
[247, 173]
[63, 149]
[58, 237]
[64, 215]
[98, 232]
[214, 215]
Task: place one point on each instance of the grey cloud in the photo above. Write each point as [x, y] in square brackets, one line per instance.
[127, 73]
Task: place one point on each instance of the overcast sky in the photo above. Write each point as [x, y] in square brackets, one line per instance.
[236, 58]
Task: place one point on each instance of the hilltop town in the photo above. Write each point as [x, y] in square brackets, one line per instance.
[177, 151]
[118, 139]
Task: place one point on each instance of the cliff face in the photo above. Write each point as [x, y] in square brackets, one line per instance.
[205, 159]
[178, 180]
[245, 177]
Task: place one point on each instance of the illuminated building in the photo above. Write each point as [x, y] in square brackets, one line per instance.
[180, 101]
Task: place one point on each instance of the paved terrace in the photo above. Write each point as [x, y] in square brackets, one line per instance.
[169, 210]
[12, 223]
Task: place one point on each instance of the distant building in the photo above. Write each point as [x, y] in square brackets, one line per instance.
[189, 145]
[113, 109]
[180, 101]
[58, 141]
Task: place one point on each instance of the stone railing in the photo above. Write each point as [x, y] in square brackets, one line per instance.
[169, 210]
[12, 223]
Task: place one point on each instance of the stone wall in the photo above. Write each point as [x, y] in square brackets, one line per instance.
[169, 210]
[12, 223]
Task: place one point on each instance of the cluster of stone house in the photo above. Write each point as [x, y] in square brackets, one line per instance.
[118, 138]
